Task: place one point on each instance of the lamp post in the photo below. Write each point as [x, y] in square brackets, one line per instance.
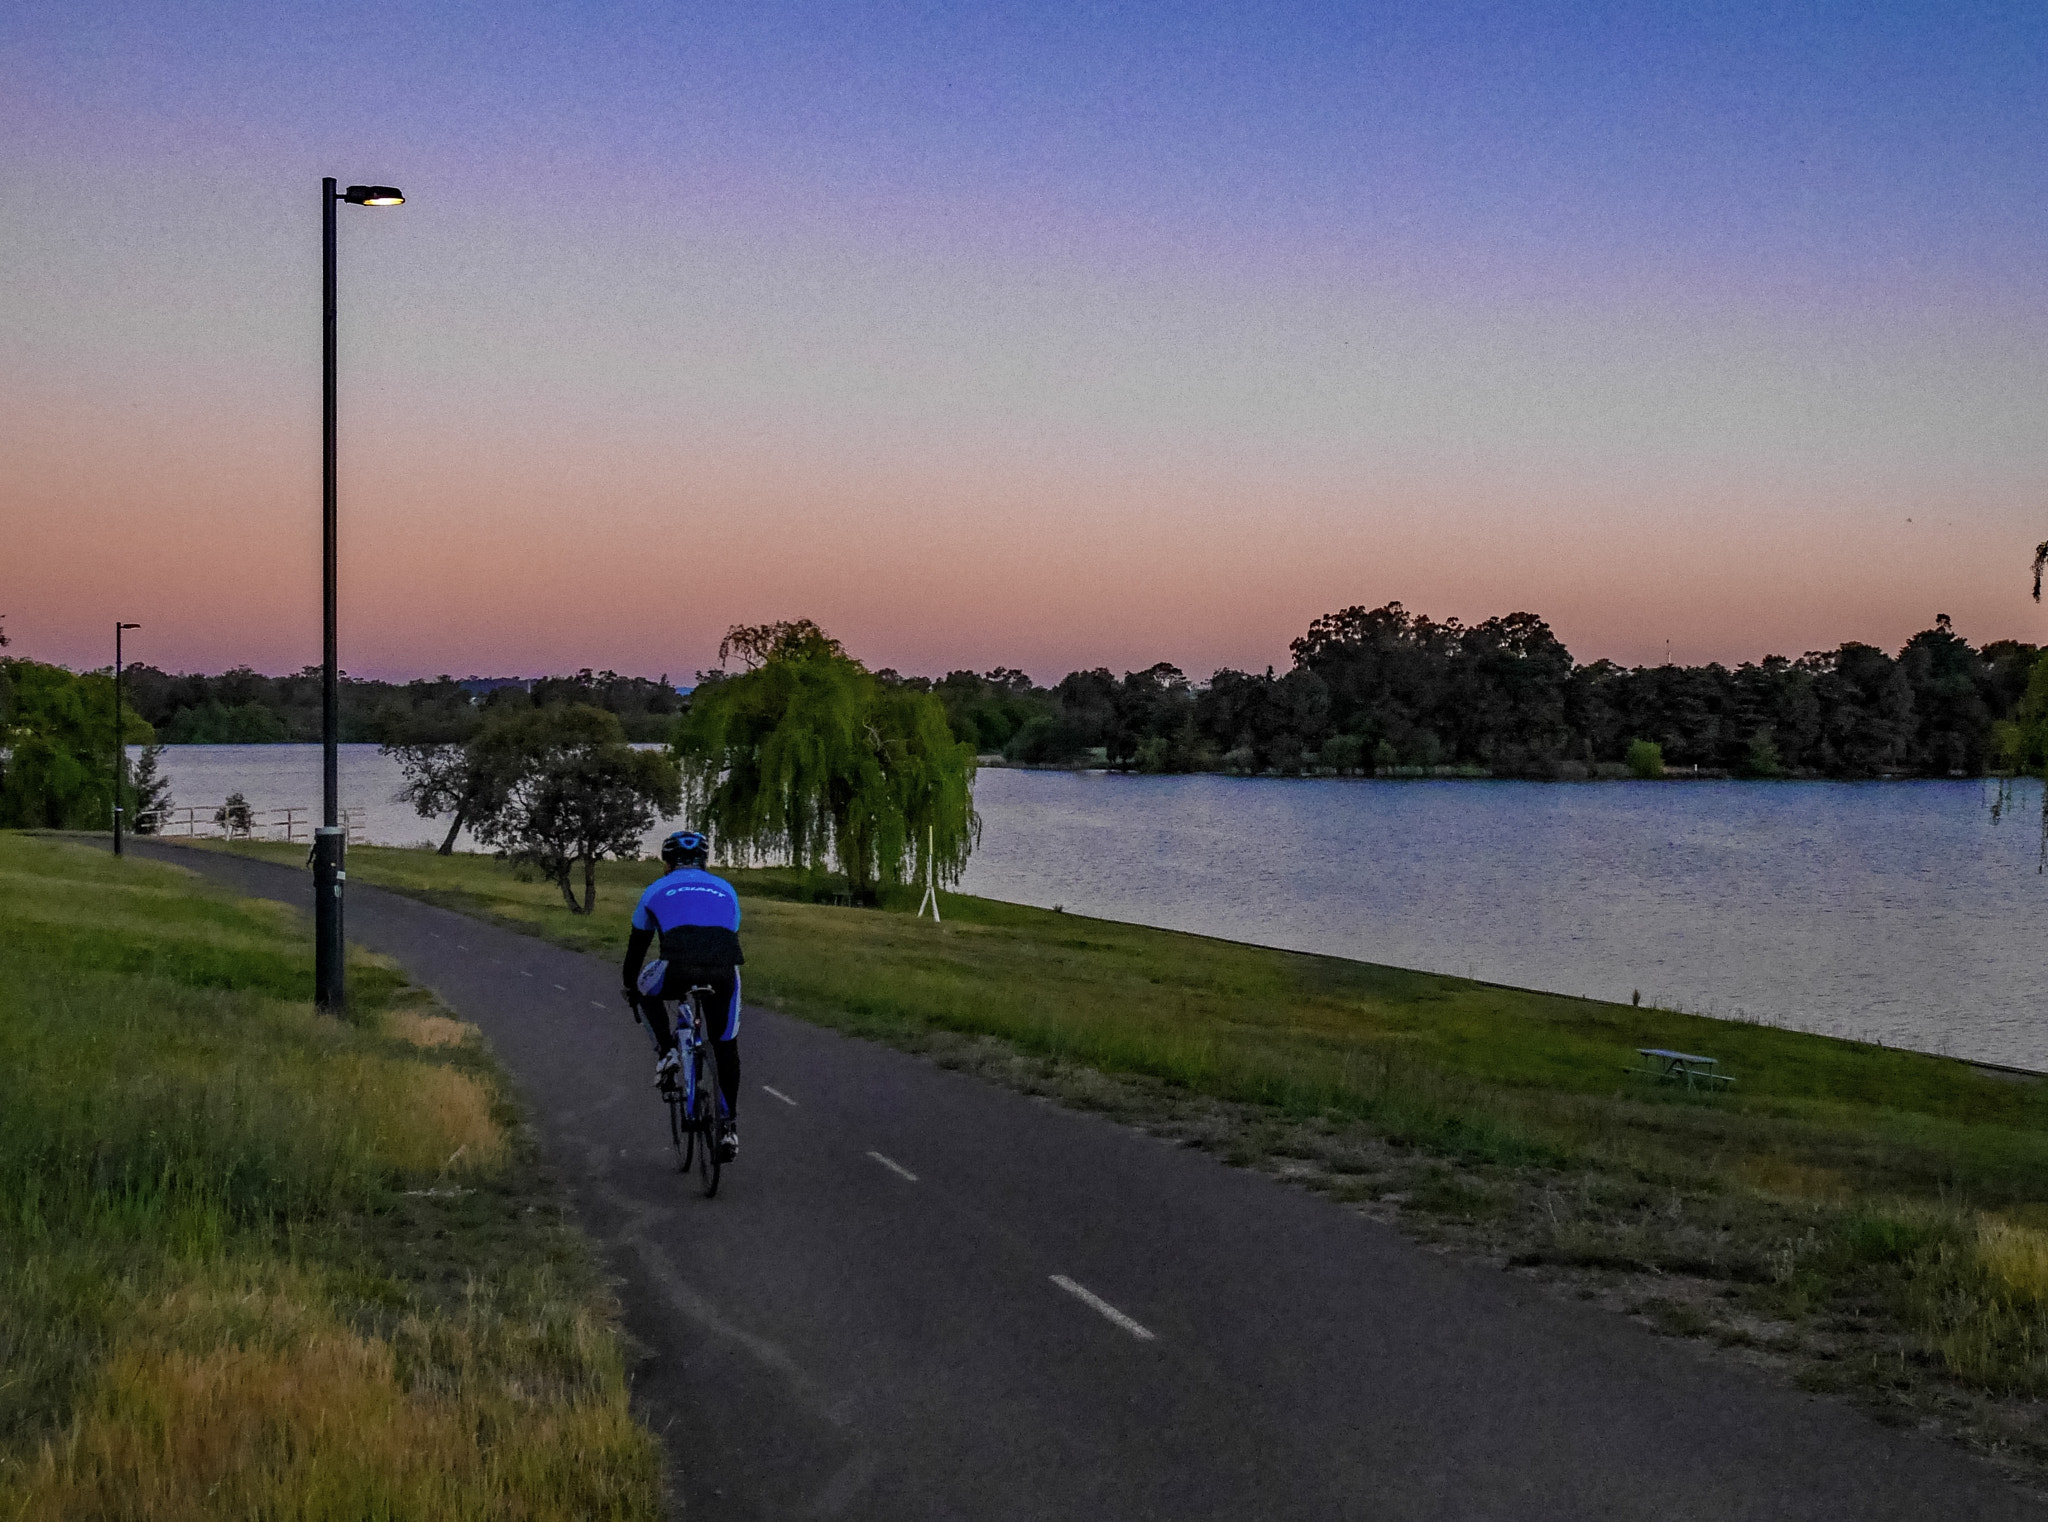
[120, 750]
[328, 873]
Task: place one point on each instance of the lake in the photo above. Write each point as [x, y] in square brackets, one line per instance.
[1892, 912]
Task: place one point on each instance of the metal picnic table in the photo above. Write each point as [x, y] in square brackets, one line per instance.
[1689, 1068]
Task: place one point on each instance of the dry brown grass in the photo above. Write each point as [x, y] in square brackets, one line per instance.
[1782, 1178]
[2015, 1258]
[431, 1031]
[260, 1403]
[420, 1117]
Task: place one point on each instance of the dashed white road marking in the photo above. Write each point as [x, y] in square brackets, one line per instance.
[595, 1005]
[525, 974]
[1095, 1302]
[460, 947]
[896, 1168]
[561, 988]
[767, 1089]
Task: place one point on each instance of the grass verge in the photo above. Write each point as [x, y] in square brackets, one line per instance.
[1871, 1221]
[257, 1262]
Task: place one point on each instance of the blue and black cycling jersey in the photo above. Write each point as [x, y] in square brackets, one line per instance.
[696, 918]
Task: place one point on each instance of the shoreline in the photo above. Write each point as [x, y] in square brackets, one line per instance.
[900, 899]
[1572, 772]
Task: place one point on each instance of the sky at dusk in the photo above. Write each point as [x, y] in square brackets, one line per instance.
[1041, 336]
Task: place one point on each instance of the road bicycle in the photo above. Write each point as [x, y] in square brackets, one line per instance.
[697, 1115]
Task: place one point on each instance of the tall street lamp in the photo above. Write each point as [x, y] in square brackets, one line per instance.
[328, 874]
[120, 750]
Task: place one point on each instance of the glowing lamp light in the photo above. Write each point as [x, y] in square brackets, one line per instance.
[374, 195]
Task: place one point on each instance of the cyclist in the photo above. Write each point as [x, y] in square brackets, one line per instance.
[692, 919]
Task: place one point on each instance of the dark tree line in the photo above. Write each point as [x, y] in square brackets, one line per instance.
[1506, 695]
[1370, 690]
[1389, 691]
[244, 707]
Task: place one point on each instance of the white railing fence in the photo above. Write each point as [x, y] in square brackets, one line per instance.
[218, 822]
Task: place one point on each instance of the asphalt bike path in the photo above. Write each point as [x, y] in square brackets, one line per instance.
[920, 1296]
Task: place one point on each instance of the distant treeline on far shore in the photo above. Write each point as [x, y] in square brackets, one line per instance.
[1370, 690]
[244, 707]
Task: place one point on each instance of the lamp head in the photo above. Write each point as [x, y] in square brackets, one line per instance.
[374, 195]
[127, 626]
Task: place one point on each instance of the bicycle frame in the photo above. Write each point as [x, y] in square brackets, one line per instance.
[691, 1038]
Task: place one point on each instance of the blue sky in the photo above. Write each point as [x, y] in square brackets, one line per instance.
[1663, 321]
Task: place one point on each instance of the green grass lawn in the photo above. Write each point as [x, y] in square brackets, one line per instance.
[256, 1262]
[1834, 1179]
[1469, 1069]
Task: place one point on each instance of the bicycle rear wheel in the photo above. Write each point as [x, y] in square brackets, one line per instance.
[708, 1163]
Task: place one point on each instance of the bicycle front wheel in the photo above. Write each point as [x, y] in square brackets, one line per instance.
[680, 1136]
[708, 1163]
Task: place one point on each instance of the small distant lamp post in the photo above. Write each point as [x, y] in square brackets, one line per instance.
[328, 874]
[120, 750]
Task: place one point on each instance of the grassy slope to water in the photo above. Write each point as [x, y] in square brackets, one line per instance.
[1470, 1069]
[257, 1262]
[1887, 1190]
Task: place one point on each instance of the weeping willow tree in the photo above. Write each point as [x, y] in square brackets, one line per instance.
[2019, 747]
[807, 758]
[2020, 744]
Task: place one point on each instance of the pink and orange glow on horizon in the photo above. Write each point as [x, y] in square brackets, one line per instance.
[661, 344]
[506, 567]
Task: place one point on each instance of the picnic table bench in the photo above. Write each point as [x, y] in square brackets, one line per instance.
[1688, 1068]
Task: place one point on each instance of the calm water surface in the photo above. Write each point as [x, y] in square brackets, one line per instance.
[1890, 912]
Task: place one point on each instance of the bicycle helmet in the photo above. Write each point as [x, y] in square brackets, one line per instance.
[685, 848]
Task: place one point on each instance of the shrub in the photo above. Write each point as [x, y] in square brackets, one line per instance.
[235, 816]
[150, 792]
[1342, 753]
[1048, 740]
[1645, 759]
[1889, 1237]
[1761, 759]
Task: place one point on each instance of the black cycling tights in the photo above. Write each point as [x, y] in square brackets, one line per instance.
[656, 1013]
